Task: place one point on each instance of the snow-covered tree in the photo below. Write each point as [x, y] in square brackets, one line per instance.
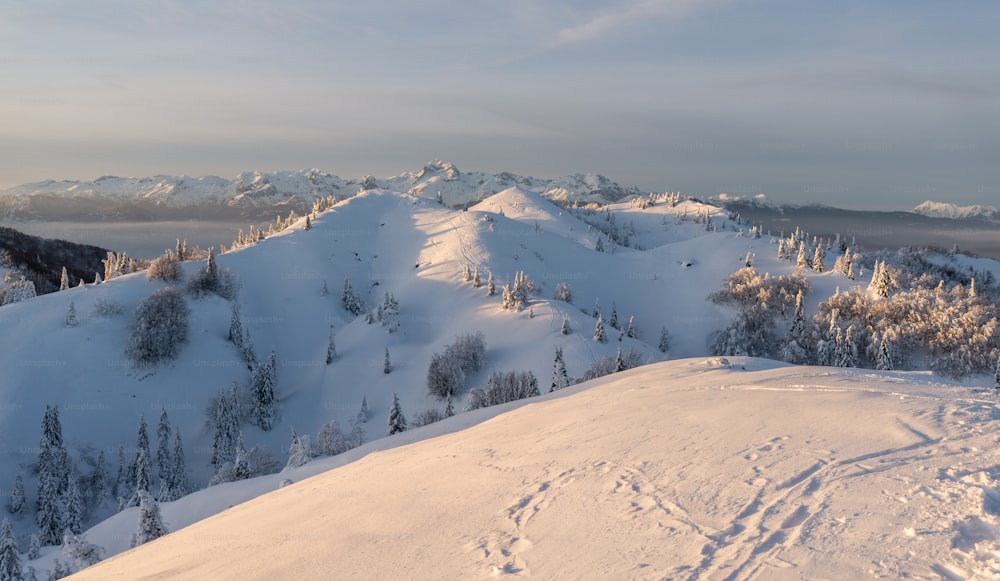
[164, 464]
[74, 507]
[996, 377]
[559, 377]
[818, 256]
[491, 288]
[227, 427]
[613, 319]
[352, 302]
[619, 361]
[879, 285]
[563, 293]
[300, 452]
[363, 413]
[64, 280]
[387, 364]
[236, 327]
[397, 421]
[16, 503]
[331, 349]
[206, 280]
[631, 332]
[166, 267]
[308, 225]
[849, 349]
[466, 272]
[150, 525]
[565, 326]
[388, 313]
[750, 333]
[324, 290]
[160, 328]
[143, 465]
[10, 554]
[883, 361]
[664, 344]
[599, 335]
[476, 281]
[447, 371]
[53, 476]
[178, 471]
[502, 388]
[81, 553]
[71, 320]
[263, 399]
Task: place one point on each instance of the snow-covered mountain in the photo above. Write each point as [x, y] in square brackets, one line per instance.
[288, 291]
[933, 209]
[689, 469]
[257, 195]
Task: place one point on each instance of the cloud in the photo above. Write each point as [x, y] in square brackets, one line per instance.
[625, 14]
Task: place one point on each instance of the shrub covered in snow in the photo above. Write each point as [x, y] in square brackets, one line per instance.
[160, 328]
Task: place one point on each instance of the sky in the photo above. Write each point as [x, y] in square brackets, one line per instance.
[857, 104]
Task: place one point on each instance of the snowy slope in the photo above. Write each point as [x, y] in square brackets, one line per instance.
[947, 210]
[692, 469]
[261, 194]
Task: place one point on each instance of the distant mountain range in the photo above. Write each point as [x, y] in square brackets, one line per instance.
[256, 195]
[945, 210]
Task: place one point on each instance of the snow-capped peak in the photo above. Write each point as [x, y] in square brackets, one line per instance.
[933, 209]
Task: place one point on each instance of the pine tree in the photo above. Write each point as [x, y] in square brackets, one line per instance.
[613, 320]
[490, 287]
[466, 273]
[64, 280]
[122, 487]
[308, 224]
[848, 354]
[883, 361]
[476, 281]
[331, 349]
[351, 301]
[143, 468]
[631, 332]
[178, 472]
[249, 355]
[71, 319]
[53, 477]
[227, 426]
[236, 327]
[264, 403]
[164, 464]
[10, 557]
[559, 377]
[16, 503]
[34, 547]
[818, 256]
[397, 421]
[150, 525]
[597, 308]
[74, 507]
[449, 408]
[241, 466]
[664, 344]
[387, 365]
[565, 326]
[363, 414]
[619, 361]
[325, 290]
[801, 261]
[599, 334]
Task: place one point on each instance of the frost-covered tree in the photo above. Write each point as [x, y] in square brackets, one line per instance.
[502, 388]
[397, 421]
[160, 328]
[750, 333]
[324, 290]
[263, 399]
[613, 319]
[74, 507]
[564, 330]
[100, 480]
[249, 354]
[996, 380]
[206, 280]
[848, 356]
[236, 327]
[447, 371]
[164, 464]
[491, 288]
[559, 377]
[352, 302]
[10, 554]
[879, 285]
[150, 525]
[363, 413]
[476, 281]
[143, 480]
[71, 320]
[388, 313]
[466, 272]
[631, 332]
[15, 505]
[387, 364]
[331, 349]
[599, 335]
[619, 361]
[664, 344]
[53, 476]
[80, 553]
[178, 471]
[563, 293]
[300, 452]
[227, 427]
[818, 256]
[166, 267]
[64, 280]
[883, 361]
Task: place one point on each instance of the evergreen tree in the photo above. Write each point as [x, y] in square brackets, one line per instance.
[164, 464]
[466, 273]
[236, 327]
[241, 466]
[883, 361]
[331, 349]
[122, 487]
[300, 451]
[53, 475]
[631, 331]
[818, 256]
[490, 287]
[10, 557]
[599, 334]
[387, 366]
[150, 525]
[34, 546]
[71, 319]
[350, 299]
[848, 355]
[597, 308]
[249, 355]
[476, 281]
[100, 485]
[397, 422]
[559, 377]
[565, 326]
[325, 290]
[619, 361]
[363, 414]
[227, 426]
[16, 503]
[801, 261]
[613, 319]
[64, 280]
[449, 408]
[178, 473]
[143, 465]
[308, 224]
[74, 507]
[664, 344]
[264, 403]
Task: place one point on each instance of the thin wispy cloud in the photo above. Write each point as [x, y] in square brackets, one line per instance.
[621, 15]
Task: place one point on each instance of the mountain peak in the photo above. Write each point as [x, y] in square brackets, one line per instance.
[934, 209]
